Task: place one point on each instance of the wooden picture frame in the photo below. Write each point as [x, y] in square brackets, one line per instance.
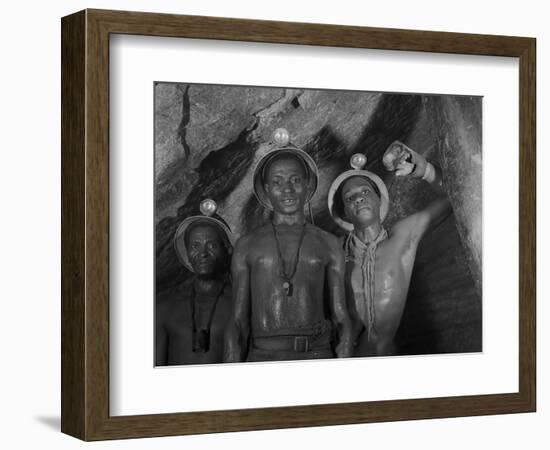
[85, 224]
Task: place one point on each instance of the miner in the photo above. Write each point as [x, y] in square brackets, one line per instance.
[379, 262]
[288, 275]
[190, 325]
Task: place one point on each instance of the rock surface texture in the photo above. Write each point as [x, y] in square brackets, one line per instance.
[208, 139]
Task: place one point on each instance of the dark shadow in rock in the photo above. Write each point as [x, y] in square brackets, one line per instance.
[219, 173]
[443, 310]
[254, 215]
[185, 116]
[393, 119]
[326, 147]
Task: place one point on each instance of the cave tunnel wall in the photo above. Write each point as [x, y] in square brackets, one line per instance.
[208, 139]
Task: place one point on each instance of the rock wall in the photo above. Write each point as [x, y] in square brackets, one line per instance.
[208, 138]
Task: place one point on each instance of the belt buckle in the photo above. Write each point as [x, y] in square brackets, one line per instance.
[301, 344]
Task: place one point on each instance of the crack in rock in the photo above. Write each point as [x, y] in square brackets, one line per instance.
[185, 117]
[265, 116]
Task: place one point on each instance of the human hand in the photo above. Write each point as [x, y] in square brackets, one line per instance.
[404, 160]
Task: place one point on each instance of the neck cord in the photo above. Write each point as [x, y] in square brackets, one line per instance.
[367, 252]
[282, 270]
[211, 315]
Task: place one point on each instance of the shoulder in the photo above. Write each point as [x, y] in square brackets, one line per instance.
[325, 238]
[321, 234]
[249, 239]
[243, 248]
[172, 300]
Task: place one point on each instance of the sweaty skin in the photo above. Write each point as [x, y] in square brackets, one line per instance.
[174, 316]
[261, 306]
[394, 258]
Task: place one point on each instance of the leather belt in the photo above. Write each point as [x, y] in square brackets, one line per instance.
[298, 344]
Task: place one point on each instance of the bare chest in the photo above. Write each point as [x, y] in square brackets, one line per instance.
[288, 254]
[388, 274]
[191, 315]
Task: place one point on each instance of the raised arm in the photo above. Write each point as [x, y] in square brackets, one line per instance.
[406, 162]
[236, 338]
[337, 295]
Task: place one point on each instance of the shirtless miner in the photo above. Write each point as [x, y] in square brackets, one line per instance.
[379, 264]
[288, 275]
[190, 326]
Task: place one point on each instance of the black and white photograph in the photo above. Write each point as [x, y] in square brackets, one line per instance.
[275, 225]
[297, 224]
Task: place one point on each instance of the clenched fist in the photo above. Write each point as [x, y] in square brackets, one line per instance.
[405, 161]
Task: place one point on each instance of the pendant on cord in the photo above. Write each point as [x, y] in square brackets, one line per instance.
[287, 286]
[285, 274]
